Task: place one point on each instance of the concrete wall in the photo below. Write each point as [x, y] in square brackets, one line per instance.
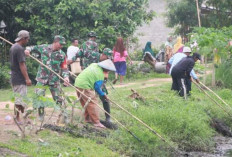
[156, 32]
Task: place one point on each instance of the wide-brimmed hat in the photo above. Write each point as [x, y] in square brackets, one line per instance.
[107, 64]
[61, 39]
[187, 49]
[22, 34]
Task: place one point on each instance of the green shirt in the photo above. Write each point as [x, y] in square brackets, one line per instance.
[87, 78]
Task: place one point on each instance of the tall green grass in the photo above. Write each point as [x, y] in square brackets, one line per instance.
[224, 73]
[184, 124]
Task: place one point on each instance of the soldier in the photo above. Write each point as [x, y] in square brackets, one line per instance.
[52, 56]
[88, 52]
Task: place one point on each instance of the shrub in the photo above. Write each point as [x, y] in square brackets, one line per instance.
[224, 73]
[32, 69]
[4, 76]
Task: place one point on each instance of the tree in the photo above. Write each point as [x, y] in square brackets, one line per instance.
[214, 44]
[182, 14]
[74, 18]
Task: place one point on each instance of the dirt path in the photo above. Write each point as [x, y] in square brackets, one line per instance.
[8, 152]
[147, 83]
[9, 130]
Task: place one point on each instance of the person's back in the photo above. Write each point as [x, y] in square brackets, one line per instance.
[90, 53]
[17, 55]
[71, 51]
[184, 67]
[89, 76]
[175, 60]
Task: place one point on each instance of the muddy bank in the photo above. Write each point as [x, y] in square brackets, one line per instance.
[223, 148]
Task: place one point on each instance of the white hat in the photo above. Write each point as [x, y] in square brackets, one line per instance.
[107, 64]
[22, 34]
[187, 49]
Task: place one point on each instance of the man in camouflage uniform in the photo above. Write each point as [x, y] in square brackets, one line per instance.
[88, 52]
[52, 56]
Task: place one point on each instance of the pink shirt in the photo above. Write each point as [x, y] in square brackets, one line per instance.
[118, 58]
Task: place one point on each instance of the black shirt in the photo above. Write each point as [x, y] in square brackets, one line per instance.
[17, 56]
[183, 68]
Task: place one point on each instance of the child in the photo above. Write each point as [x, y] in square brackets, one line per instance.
[120, 55]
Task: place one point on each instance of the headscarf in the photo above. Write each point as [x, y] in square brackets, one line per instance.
[178, 44]
[148, 49]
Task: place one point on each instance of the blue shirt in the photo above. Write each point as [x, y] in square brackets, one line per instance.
[175, 59]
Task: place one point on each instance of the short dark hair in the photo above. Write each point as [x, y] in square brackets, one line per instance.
[73, 40]
[196, 55]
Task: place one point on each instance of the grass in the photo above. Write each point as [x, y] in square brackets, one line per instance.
[7, 94]
[183, 124]
[59, 145]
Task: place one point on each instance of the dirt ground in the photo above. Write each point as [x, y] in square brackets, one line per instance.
[9, 130]
[7, 152]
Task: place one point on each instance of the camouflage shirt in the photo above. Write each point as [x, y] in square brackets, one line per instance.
[56, 60]
[89, 53]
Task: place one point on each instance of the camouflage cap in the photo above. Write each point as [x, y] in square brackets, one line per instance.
[61, 39]
[108, 52]
[92, 34]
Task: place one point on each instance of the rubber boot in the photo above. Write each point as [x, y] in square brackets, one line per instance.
[106, 107]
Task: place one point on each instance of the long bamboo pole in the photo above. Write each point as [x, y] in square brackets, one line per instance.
[79, 92]
[215, 94]
[153, 131]
[219, 105]
[139, 120]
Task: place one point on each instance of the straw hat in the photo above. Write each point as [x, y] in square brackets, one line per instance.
[107, 64]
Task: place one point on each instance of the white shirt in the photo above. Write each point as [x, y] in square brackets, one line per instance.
[71, 52]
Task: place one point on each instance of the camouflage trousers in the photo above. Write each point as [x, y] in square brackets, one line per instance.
[55, 91]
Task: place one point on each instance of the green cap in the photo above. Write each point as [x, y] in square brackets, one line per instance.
[61, 39]
[108, 51]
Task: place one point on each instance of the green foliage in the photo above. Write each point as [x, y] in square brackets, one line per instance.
[182, 14]
[209, 39]
[59, 145]
[184, 124]
[4, 76]
[75, 18]
[32, 69]
[136, 55]
[224, 73]
[213, 43]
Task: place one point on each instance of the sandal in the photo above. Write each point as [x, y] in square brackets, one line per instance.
[99, 125]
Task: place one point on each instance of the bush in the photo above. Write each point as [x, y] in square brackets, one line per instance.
[32, 69]
[136, 55]
[224, 73]
[4, 76]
